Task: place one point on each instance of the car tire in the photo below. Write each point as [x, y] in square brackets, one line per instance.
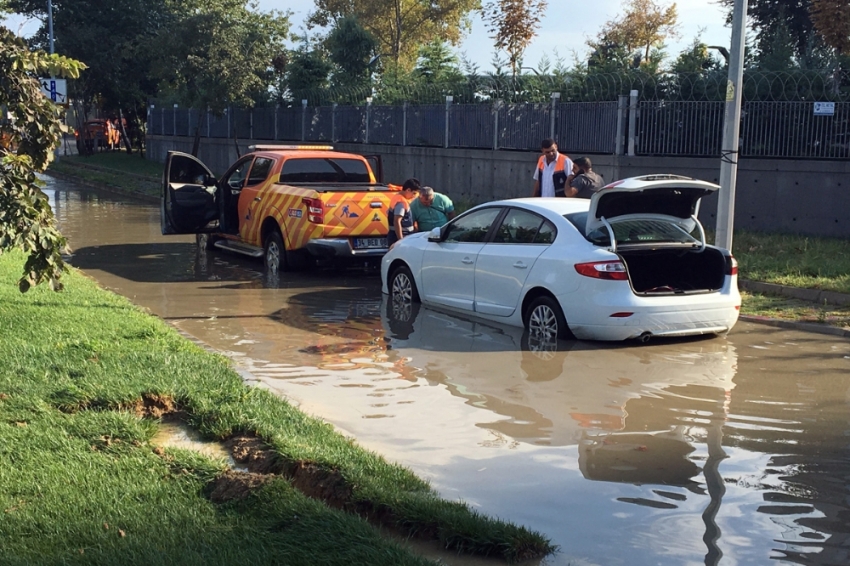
[274, 255]
[544, 316]
[402, 286]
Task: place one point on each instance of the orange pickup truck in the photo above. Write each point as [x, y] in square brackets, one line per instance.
[290, 205]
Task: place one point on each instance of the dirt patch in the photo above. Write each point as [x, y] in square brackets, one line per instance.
[235, 486]
[154, 406]
[311, 479]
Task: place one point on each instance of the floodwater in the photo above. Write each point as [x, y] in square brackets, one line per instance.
[726, 450]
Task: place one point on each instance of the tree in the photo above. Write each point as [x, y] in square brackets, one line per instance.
[114, 39]
[308, 69]
[400, 26]
[643, 26]
[351, 49]
[213, 53]
[513, 24]
[437, 64]
[831, 19]
[30, 129]
[766, 16]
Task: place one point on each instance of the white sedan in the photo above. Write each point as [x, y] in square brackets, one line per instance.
[632, 262]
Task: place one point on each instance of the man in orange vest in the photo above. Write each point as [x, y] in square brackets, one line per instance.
[554, 171]
[398, 216]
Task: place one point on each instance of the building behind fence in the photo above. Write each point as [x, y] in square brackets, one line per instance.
[628, 126]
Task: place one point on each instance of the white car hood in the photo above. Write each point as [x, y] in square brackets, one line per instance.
[676, 201]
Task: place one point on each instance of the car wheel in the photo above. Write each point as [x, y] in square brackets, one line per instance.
[402, 286]
[544, 318]
[274, 257]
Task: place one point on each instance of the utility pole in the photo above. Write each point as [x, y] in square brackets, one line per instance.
[731, 129]
[50, 23]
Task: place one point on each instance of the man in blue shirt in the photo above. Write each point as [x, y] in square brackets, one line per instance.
[431, 210]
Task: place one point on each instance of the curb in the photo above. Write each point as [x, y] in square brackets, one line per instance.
[812, 295]
[794, 325]
[102, 186]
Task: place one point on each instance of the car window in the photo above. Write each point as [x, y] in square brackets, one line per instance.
[236, 178]
[634, 231]
[186, 171]
[521, 227]
[324, 170]
[260, 170]
[546, 234]
[472, 227]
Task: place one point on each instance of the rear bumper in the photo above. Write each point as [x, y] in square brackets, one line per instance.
[340, 247]
[669, 324]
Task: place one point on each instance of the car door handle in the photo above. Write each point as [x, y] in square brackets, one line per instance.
[257, 199]
[520, 265]
[467, 260]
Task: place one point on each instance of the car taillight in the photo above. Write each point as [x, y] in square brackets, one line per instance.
[731, 265]
[613, 270]
[315, 212]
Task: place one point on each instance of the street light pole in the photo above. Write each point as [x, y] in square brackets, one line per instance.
[731, 129]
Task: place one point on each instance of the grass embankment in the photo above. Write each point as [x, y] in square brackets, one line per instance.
[84, 376]
[115, 170]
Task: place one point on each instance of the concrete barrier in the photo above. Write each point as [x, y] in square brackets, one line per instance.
[787, 196]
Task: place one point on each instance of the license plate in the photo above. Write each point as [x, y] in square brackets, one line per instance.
[364, 243]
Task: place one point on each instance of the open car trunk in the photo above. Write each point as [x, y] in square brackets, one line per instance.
[670, 271]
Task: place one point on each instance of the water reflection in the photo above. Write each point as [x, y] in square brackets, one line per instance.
[730, 451]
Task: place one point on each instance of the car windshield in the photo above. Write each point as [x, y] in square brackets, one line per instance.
[643, 231]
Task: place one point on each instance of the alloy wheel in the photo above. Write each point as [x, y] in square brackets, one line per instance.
[402, 290]
[543, 321]
[273, 256]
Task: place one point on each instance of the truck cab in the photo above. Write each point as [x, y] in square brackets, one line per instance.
[289, 205]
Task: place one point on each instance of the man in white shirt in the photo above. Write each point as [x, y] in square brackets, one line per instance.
[554, 171]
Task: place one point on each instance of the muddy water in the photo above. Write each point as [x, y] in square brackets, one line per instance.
[711, 451]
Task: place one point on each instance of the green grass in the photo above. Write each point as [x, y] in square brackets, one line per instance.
[81, 483]
[115, 170]
[793, 260]
[784, 308]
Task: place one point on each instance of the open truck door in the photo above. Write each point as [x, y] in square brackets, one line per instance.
[377, 166]
[191, 199]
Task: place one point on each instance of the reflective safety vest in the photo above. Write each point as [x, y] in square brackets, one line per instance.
[559, 176]
[407, 219]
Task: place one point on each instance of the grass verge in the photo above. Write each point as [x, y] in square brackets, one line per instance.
[784, 308]
[85, 373]
[115, 170]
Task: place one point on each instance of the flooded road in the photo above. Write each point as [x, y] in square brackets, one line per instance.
[730, 450]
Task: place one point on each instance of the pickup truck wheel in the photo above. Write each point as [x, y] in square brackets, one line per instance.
[274, 257]
[403, 287]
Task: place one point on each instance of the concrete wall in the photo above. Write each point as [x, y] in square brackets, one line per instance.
[806, 197]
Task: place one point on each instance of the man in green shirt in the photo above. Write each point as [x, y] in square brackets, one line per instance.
[431, 210]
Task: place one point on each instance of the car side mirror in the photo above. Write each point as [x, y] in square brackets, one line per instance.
[436, 234]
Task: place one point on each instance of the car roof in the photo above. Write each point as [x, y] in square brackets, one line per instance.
[558, 205]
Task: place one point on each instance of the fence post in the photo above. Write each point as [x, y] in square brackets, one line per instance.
[251, 124]
[368, 117]
[208, 121]
[333, 122]
[227, 113]
[633, 97]
[555, 97]
[449, 99]
[149, 124]
[496, 106]
[622, 104]
[404, 124]
[162, 121]
[276, 109]
[174, 124]
[303, 119]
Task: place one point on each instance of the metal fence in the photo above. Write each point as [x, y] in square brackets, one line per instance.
[772, 129]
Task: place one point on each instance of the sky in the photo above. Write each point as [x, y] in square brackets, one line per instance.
[565, 28]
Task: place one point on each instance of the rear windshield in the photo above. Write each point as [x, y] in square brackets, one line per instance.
[633, 231]
[324, 170]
